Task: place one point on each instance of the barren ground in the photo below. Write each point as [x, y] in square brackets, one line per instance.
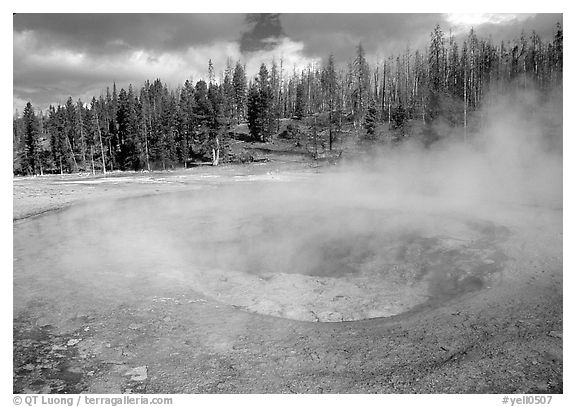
[167, 338]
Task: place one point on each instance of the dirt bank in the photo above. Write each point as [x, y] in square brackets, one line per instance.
[159, 337]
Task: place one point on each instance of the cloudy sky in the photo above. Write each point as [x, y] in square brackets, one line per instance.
[79, 55]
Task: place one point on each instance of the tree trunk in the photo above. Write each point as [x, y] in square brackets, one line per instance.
[146, 147]
[315, 141]
[92, 160]
[330, 130]
[101, 146]
[216, 153]
[465, 105]
[111, 155]
[72, 154]
[82, 143]
[423, 110]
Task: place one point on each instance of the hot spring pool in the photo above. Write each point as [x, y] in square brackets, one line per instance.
[291, 257]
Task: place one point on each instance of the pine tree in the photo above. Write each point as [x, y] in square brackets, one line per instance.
[81, 132]
[557, 59]
[204, 114]
[169, 125]
[399, 118]
[330, 87]
[260, 103]
[217, 122]
[227, 87]
[361, 91]
[254, 116]
[96, 108]
[275, 88]
[211, 76]
[70, 130]
[436, 73]
[146, 121]
[122, 118]
[240, 88]
[186, 122]
[32, 148]
[300, 106]
[370, 121]
[131, 151]
[17, 145]
[57, 131]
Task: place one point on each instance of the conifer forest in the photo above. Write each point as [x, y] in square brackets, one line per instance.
[154, 126]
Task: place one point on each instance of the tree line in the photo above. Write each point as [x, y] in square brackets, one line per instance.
[155, 127]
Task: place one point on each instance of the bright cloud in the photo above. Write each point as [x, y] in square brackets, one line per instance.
[465, 21]
[288, 51]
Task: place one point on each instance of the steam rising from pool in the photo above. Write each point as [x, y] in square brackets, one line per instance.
[410, 226]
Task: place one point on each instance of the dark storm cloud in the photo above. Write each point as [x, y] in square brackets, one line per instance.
[110, 33]
[265, 31]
